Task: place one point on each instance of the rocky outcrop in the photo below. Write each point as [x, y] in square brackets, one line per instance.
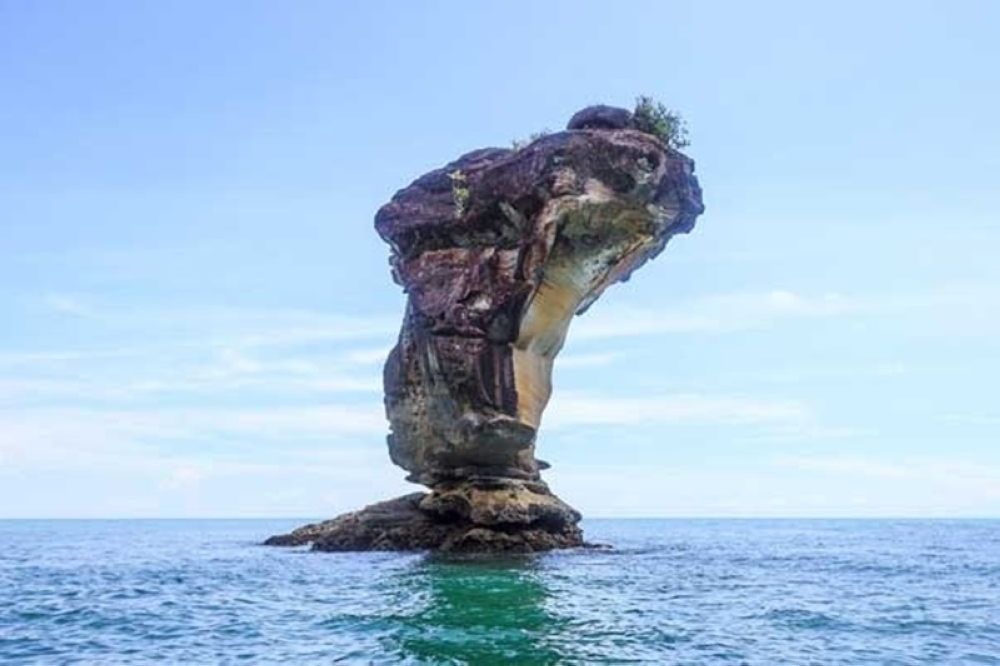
[497, 251]
[505, 516]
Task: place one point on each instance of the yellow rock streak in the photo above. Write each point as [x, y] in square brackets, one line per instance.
[543, 330]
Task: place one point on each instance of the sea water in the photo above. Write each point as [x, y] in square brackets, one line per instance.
[670, 592]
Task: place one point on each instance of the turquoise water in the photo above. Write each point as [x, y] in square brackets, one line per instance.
[673, 592]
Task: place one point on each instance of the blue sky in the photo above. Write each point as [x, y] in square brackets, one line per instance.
[196, 305]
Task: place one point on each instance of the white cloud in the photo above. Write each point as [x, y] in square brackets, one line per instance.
[65, 304]
[939, 471]
[972, 419]
[586, 360]
[182, 476]
[30, 388]
[236, 369]
[714, 314]
[948, 308]
[129, 375]
[233, 362]
[848, 466]
[285, 328]
[193, 461]
[225, 326]
[192, 487]
[568, 409]
[325, 421]
[75, 436]
[35, 358]
[799, 431]
[371, 356]
[21, 390]
[302, 356]
[907, 485]
[67, 437]
[788, 487]
[339, 384]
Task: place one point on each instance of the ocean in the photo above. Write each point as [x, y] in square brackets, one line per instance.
[671, 592]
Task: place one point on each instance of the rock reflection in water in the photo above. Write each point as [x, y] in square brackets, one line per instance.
[485, 611]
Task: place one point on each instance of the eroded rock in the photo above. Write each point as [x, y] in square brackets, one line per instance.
[497, 251]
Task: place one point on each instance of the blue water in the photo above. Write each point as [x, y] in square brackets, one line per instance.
[673, 592]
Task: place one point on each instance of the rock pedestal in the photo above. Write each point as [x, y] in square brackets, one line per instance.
[497, 251]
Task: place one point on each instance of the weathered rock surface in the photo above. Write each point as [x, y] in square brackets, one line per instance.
[497, 251]
[502, 516]
[600, 117]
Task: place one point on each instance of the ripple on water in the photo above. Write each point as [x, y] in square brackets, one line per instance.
[698, 592]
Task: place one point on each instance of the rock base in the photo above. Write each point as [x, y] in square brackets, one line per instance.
[474, 516]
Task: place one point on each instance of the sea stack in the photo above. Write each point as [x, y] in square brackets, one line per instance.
[497, 251]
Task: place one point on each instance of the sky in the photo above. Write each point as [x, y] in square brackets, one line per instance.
[196, 307]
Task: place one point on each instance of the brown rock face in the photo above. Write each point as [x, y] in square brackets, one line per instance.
[497, 251]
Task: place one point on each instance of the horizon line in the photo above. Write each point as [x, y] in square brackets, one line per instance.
[584, 519]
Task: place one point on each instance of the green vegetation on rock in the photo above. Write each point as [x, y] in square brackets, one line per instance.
[459, 191]
[654, 118]
[518, 144]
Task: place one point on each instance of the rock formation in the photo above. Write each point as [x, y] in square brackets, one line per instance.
[497, 251]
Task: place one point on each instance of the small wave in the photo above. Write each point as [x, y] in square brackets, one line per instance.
[800, 618]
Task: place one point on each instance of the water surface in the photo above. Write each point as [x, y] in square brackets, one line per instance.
[672, 592]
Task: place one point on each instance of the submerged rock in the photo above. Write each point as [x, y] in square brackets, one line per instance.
[497, 251]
